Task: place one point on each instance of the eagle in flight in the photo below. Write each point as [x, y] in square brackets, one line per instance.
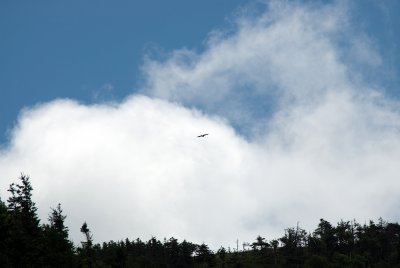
[202, 135]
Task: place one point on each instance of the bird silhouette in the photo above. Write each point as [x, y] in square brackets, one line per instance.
[202, 135]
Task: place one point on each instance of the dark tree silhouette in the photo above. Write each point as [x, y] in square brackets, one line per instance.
[204, 255]
[5, 226]
[87, 252]
[259, 244]
[60, 251]
[25, 243]
[25, 229]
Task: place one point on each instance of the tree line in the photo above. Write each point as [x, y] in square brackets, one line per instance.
[25, 242]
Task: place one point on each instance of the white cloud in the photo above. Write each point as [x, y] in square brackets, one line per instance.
[328, 147]
[290, 51]
[136, 169]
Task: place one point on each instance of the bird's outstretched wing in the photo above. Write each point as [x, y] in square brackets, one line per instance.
[202, 135]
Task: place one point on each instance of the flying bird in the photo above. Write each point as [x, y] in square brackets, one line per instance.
[202, 135]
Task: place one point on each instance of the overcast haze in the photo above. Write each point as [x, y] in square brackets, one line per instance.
[302, 120]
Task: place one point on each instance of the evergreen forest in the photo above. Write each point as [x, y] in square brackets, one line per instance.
[26, 242]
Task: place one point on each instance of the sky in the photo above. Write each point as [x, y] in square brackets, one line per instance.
[102, 104]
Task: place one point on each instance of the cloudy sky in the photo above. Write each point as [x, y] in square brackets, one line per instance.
[102, 104]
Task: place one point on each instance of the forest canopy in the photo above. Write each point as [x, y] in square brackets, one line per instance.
[26, 242]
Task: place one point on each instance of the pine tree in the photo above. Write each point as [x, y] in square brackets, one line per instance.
[5, 225]
[87, 247]
[326, 233]
[204, 255]
[187, 250]
[59, 250]
[21, 205]
[25, 231]
[172, 251]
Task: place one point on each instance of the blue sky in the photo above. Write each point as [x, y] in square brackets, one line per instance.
[73, 49]
[301, 100]
[92, 50]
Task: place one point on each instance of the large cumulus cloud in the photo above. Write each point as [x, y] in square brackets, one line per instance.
[295, 135]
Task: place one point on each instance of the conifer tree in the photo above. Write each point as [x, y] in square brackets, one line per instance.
[5, 225]
[25, 230]
[87, 247]
[59, 250]
[204, 255]
[21, 205]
